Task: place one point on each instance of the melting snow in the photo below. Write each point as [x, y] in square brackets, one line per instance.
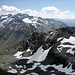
[24, 66]
[33, 21]
[72, 46]
[28, 50]
[18, 54]
[70, 51]
[44, 67]
[51, 33]
[23, 71]
[4, 17]
[35, 18]
[53, 74]
[10, 67]
[52, 71]
[66, 70]
[34, 24]
[27, 20]
[19, 66]
[59, 38]
[32, 73]
[39, 56]
[11, 19]
[34, 66]
[12, 71]
[70, 40]
[47, 37]
[59, 49]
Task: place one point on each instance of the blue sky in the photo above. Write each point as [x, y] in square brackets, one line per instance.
[45, 8]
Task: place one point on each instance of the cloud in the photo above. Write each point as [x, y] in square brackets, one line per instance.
[28, 11]
[67, 11]
[9, 8]
[51, 9]
[46, 12]
[0, 9]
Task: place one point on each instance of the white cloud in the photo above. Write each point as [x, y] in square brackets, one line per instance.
[51, 9]
[9, 8]
[67, 11]
[28, 11]
[0, 9]
[46, 12]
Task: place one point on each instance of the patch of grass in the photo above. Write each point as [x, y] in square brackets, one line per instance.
[13, 47]
[4, 52]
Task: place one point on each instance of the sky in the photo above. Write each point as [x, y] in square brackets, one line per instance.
[62, 9]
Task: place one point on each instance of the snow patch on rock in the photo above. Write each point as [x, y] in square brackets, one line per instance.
[18, 54]
[59, 38]
[12, 71]
[27, 20]
[23, 71]
[44, 67]
[66, 69]
[34, 66]
[18, 66]
[39, 56]
[4, 17]
[70, 51]
[70, 40]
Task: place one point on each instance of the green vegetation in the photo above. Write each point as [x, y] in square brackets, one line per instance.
[12, 47]
[4, 52]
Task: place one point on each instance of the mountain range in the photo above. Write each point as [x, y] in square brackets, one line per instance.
[14, 28]
[36, 46]
[46, 53]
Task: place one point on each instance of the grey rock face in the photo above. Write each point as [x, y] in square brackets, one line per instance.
[60, 58]
[14, 28]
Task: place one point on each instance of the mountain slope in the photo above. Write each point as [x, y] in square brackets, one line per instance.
[46, 53]
[14, 28]
[2, 72]
[38, 22]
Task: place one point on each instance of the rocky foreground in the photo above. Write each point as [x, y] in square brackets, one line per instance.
[49, 53]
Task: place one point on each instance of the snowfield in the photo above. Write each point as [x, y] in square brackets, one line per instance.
[39, 56]
[70, 40]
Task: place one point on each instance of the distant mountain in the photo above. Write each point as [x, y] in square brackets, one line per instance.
[14, 28]
[39, 23]
[46, 53]
[69, 22]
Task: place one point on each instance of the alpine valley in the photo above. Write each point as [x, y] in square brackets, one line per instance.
[36, 46]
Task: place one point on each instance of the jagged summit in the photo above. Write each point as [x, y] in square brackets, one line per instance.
[46, 53]
[40, 23]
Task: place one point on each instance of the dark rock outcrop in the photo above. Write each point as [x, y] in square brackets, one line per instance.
[62, 51]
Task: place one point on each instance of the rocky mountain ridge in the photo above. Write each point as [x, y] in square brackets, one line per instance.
[46, 53]
[14, 28]
[39, 23]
